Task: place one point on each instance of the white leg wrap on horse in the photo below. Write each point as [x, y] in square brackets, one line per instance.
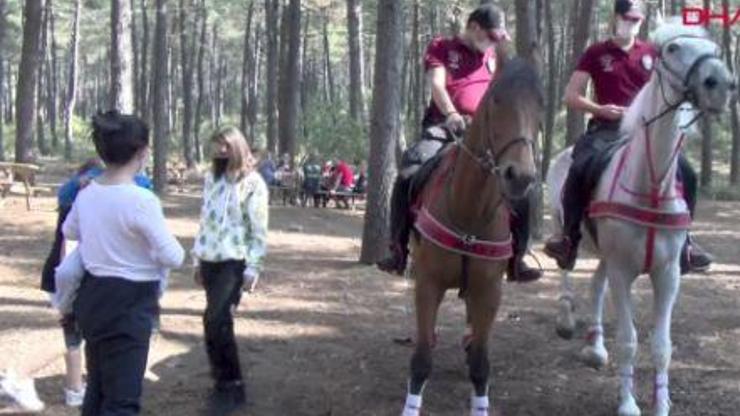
[661, 395]
[412, 406]
[628, 404]
[479, 405]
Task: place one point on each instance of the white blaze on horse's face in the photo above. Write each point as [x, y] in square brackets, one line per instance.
[693, 63]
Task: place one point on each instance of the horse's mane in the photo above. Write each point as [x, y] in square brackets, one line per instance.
[516, 75]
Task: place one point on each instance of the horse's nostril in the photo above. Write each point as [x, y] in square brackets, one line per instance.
[509, 173]
[710, 83]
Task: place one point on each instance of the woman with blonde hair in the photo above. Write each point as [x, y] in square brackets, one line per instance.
[228, 253]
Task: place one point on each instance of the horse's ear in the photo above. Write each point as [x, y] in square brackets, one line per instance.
[659, 18]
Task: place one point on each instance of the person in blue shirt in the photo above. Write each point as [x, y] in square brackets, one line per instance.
[267, 169]
[74, 389]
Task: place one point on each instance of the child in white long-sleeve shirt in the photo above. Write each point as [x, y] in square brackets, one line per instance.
[125, 245]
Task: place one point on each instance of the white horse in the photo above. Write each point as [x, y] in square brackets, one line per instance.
[640, 220]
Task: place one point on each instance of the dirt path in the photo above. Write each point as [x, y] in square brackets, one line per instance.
[316, 337]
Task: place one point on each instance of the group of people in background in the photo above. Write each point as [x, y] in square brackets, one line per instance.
[334, 179]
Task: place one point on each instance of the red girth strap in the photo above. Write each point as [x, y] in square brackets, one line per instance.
[442, 236]
[642, 216]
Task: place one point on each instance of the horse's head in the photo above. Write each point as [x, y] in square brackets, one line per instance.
[507, 124]
[690, 62]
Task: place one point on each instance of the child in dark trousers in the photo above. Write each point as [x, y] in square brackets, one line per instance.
[74, 387]
[126, 250]
[228, 253]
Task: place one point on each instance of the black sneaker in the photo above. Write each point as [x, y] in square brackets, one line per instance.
[520, 272]
[561, 249]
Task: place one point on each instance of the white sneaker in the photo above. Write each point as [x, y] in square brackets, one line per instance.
[22, 392]
[74, 398]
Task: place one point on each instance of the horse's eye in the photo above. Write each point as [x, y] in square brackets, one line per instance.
[672, 48]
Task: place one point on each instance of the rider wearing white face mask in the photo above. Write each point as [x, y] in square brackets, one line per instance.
[618, 69]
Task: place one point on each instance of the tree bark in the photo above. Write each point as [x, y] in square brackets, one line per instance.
[527, 47]
[271, 32]
[583, 10]
[52, 83]
[69, 100]
[384, 128]
[330, 88]
[159, 108]
[734, 117]
[246, 67]
[291, 78]
[253, 110]
[200, 102]
[186, 62]
[3, 26]
[356, 61]
[121, 58]
[551, 89]
[143, 94]
[27, 74]
[41, 85]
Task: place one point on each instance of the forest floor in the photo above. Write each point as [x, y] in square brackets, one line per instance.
[316, 337]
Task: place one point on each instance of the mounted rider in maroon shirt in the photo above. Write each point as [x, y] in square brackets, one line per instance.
[459, 70]
[618, 69]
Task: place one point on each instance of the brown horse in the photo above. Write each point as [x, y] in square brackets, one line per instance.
[462, 237]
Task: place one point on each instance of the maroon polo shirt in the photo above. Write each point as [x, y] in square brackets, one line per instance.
[468, 75]
[618, 75]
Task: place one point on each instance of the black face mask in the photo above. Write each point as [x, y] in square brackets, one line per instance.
[219, 167]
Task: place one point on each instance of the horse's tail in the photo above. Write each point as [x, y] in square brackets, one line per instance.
[556, 176]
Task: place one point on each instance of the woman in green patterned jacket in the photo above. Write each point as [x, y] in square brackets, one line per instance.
[229, 248]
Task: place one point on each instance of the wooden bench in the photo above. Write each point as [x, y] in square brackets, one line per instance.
[285, 193]
[351, 197]
[20, 172]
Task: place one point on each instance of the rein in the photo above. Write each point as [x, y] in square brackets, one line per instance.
[687, 95]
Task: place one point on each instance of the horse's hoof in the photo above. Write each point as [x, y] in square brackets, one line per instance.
[662, 407]
[565, 324]
[629, 408]
[595, 357]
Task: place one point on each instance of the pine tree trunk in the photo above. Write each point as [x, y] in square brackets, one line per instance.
[253, 111]
[143, 95]
[136, 57]
[200, 102]
[41, 85]
[27, 79]
[186, 62]
[327, 60]
[356, 61]
[384, 128]
[734, 116]
[552, 77]
[3, 25]
[159, 98]
[246, 67]
[582, 12]
[69, 100]
[121, 58]
[52, 82]
[271, 69]
[214, 76]
[288, 126]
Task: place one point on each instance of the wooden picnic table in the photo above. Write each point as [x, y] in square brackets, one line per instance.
[25, 173]
[352, 197]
